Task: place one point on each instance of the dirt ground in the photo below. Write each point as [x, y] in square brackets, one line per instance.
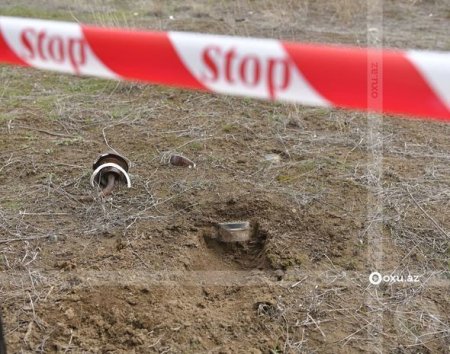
[140, 272]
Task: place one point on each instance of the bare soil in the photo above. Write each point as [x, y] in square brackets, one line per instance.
[141, 272]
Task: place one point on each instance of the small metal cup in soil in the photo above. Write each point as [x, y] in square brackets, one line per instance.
[234, 231]
[109, 168]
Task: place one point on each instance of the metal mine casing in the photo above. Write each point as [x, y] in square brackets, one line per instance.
[234, 231]
[110, 157]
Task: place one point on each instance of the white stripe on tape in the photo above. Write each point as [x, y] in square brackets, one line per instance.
[244, 66]
[436, 69]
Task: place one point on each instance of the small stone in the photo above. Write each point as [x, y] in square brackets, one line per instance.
[273, 158]
[70, 313]
[53, 238]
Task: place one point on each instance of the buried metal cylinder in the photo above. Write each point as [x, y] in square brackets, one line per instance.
[234, 231]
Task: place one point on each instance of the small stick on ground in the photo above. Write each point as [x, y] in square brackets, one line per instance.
[61, 135]
[23, 239]
[70, 342]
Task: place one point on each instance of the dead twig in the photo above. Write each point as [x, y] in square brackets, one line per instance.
[70, 342]
[24, 239]
[45, 131]
[298, 282]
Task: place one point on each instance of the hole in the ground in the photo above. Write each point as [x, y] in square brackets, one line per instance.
[247, 255]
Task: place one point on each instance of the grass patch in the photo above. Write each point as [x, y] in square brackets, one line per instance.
[45, 103]
[33, 12]
[229, 128]
[5, 117]
[12, 205]
[196, 146]
[88, 85]
[293, 173]
[69, 141]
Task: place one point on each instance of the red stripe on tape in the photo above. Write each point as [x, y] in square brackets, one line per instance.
[342, 75]
[7, 55]
[142, 56]
[406, 92]
[339, 74]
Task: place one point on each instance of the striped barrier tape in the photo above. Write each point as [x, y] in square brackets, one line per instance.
[413, 83]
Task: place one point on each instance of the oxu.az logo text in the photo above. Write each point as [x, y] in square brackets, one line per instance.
[377, 278]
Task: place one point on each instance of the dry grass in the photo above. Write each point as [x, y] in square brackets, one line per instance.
[54, 242]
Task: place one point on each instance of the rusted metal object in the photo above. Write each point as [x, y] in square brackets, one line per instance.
[178, 160]
[175, 159]
[234, 231]
[109, 168]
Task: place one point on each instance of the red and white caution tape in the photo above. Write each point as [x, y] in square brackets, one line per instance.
[414, 83]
